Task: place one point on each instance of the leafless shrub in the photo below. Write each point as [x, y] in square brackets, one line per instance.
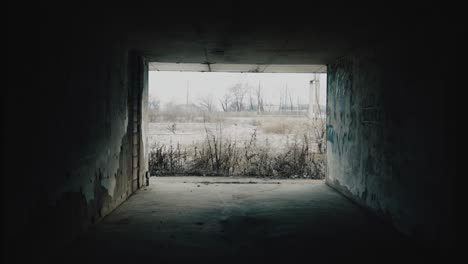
[172, 128]
[216, 155]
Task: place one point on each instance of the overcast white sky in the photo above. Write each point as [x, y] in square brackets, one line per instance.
[171, 86]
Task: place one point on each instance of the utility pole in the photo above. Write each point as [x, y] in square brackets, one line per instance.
[187, 95]
[314, 97]
[298, 104]
[187, 102]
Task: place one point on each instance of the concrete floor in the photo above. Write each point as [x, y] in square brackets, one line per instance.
[230, 220]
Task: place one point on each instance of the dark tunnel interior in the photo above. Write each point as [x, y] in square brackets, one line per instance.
[73, 137]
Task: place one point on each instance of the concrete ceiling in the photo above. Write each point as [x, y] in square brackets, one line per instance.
[218, 67]
[246, 33]
[263, 45]
[257, 47]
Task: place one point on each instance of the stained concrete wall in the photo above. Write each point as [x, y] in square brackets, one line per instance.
[389, 134]
[69, 147]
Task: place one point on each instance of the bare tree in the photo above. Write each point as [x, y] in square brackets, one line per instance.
[153, 108]
[206, 103]
[251, 101]
[258, 93]
[238, 92]
[225, 101]
[291, 105]
[280, 108]
[154, 103]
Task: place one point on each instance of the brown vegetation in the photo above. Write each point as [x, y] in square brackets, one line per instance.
[303, 156]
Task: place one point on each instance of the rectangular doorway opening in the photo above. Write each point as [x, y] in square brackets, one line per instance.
[237, 124]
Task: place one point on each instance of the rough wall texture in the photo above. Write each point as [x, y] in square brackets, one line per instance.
[89, 139]
[388, 136]
[95, 133]
[144, 148]
[70, 132]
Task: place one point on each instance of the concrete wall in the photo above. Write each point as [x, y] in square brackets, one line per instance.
[68, 145]
[389, 128]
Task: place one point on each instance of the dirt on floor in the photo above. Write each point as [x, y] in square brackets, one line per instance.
[239, 220]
